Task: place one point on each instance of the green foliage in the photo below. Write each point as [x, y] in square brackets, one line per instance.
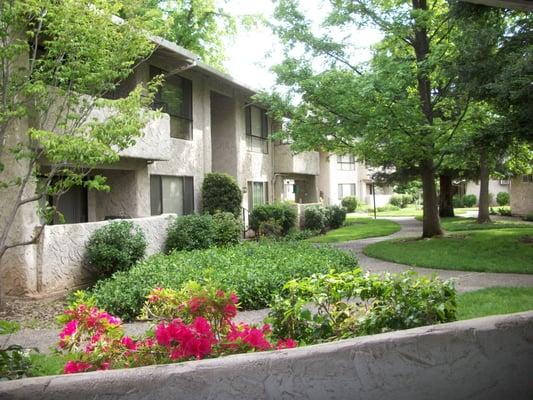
[335, 217]
[14, 363]
[457, 201]
[315, 218]
[350, 203]
[274, 217]
[115, 247]
[469, 200]
[7, 327]
[504, 212]
[502, 198]
[221, 193]
[227, 229]
[254, 271]
[401, 200]
[300, 234]
[190, 232]
[351, 304]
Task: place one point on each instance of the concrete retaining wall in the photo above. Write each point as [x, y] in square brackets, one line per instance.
[61, 264]
[487, 358]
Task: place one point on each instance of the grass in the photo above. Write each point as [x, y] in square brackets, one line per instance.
[495, 250]
[358, 228]
[47, 364]
[411, 211]
[494, 301]
[456, 224]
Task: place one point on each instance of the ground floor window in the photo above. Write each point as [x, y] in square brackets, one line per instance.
[171, 194]
[527, 178]
[346, 189]
[257, 194]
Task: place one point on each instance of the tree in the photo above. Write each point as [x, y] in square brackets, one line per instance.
[56, 69]
[495, 66]
[200, 26]
[400, 111]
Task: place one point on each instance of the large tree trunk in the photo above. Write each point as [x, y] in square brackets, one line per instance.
[483, 214]
[431, 223]
[446, 196]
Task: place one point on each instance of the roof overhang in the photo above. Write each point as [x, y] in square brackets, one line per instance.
[526, 5]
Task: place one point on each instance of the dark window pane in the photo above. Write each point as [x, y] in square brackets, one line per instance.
[155, 195]
[73, 205]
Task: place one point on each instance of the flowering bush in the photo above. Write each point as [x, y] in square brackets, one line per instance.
[193, 323]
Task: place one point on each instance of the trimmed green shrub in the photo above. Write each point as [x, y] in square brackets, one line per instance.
[469, 200]
[350, 203]
[191, 232]
[401, 200]
[270, 229]
[502, 198]
[457, 201]
[227, 229]
[282, 214]
[335, 217]
[504, 212]
[315, 218]
[528, 217]
[221, 193]
[115, 247]
[254, 270]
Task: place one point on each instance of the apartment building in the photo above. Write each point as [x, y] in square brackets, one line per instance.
[208, 123]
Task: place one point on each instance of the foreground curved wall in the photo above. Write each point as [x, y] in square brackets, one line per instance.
[487, 358]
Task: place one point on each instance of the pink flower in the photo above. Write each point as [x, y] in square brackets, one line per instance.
[234, 298]
[129, 343]
[72, 367]
[230, 310]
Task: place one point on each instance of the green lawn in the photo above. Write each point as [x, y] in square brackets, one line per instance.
[494, 301]
[412, 212]
[495, 250]
[7, 327]
[468, 224]
[358, 228]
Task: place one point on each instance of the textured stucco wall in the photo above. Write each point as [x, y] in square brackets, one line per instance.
[486, 359]
[495, 187]
[62, 263]
[223, 134]
[521, 196]
[302, 163]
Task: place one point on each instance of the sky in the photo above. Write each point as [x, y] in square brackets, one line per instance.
[252, 53]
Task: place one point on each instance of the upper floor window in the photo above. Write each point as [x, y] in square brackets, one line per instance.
[175, 98]
[346, 163]
[527, 178]
[256, 129]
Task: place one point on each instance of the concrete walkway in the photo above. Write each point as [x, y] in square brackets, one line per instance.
[44, 339]
[465, 280]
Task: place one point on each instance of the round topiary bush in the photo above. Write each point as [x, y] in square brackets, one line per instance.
[221, 193]
[315, 218]
[350, 203]
[191, 232]
[457, 201]
[469, 200]
[335, 217]
[115, 247]
[502, 198]
[282, 214]
[227, 229]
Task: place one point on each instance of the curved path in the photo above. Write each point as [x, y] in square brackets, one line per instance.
[465, 280]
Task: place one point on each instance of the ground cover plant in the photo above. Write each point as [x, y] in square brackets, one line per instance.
[358, 228]
[332, 306]
[494, 301]
[253, 270]
[491, 250]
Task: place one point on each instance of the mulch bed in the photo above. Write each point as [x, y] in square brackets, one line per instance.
[35, 314]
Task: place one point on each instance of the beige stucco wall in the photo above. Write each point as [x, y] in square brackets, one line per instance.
[472, 187]
[521, 196]
[285, 161]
